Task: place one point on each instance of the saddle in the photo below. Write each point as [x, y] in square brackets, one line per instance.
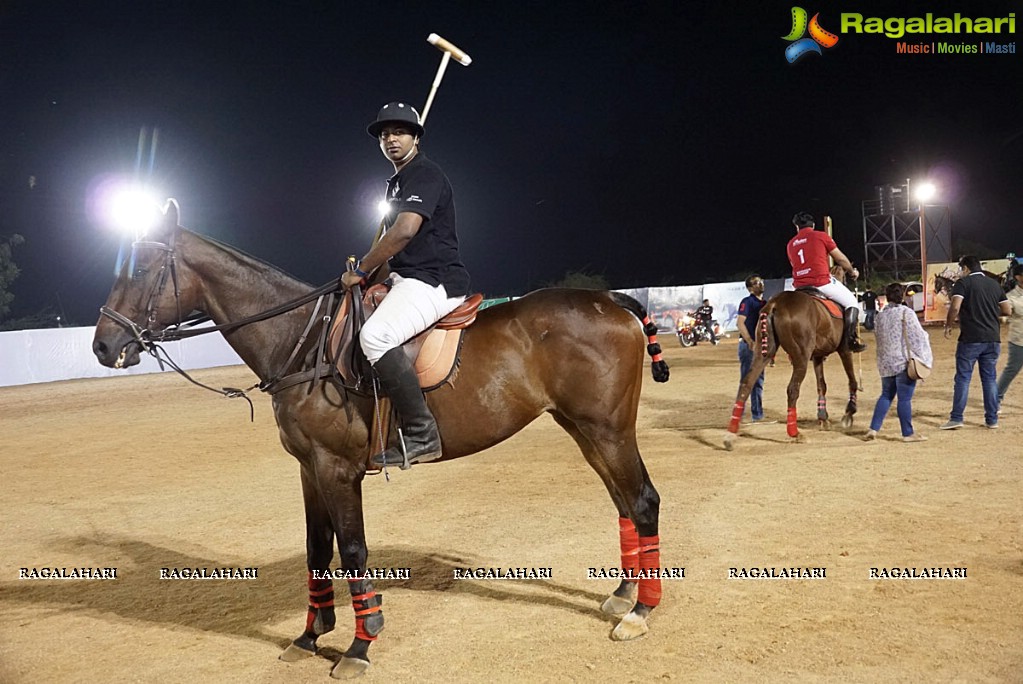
[830, 306]
[433, 352]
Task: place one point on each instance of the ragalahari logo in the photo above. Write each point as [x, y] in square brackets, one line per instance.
[802, 46]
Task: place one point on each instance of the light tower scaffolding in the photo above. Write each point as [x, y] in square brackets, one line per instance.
[900, 235]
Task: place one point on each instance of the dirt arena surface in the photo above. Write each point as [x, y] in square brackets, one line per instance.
[146, 472]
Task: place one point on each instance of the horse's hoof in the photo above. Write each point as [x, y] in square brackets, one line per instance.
[729, 440]
[349, 668]
[617, 605]
[847, 422]
[295, 653]
[631, 627]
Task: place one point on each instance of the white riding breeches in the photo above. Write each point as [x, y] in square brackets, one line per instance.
[409, 308]
[838, 293]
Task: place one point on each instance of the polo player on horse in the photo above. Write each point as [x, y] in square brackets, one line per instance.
[428, 279]
[808, 253]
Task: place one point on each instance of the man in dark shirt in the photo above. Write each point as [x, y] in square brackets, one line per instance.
[705, 314]
[870, 308]
[428, 278]
[978, 301]
[749, 314]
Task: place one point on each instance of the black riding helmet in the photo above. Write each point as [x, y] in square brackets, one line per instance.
[396, 112]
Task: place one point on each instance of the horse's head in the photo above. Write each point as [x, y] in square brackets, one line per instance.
[149, 295]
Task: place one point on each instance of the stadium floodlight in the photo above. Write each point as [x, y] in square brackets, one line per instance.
[925, 192]
[133, 210]
[383, 207]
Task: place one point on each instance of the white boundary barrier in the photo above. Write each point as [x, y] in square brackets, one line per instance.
[50, 354]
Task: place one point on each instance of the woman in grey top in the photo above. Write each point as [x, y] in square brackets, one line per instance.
[1015, 362]
[895, 328]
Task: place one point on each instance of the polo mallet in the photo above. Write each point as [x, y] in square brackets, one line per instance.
[449, 51]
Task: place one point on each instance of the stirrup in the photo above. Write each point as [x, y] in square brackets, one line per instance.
[385, 458]
[398, 456]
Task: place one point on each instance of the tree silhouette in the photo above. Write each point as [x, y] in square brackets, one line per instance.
[582, 280]
[9, 270]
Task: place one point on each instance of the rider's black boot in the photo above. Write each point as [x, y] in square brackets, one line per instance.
[419, 428]
[852, 317]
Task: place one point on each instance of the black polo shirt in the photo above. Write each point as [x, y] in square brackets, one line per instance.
[869, 301]
[750, 308]
[432, 254]
[979, 310]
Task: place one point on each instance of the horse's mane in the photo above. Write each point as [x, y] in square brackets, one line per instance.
[245, 256]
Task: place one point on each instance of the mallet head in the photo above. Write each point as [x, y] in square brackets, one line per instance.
[445, 46]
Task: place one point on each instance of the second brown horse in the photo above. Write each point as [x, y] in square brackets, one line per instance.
[800, 324]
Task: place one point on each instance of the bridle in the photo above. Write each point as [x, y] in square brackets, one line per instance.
[147, 339]
[144, 337]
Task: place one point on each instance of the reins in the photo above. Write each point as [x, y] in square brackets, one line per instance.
[323, 312]
[148, 341]
[175, 334]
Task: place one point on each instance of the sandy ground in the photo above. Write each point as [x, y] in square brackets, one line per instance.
[145, 472]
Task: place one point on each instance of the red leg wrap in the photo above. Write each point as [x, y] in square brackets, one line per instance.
[790, 422]
[629, 538]
[733, 424]
[321, 595]
[360, 630]
[364, 604]
[649, 559]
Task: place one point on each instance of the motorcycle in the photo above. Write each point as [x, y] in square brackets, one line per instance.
[691, 331]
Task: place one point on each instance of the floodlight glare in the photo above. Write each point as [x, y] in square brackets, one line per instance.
[383, 207]
[926, 191]
[134, 211]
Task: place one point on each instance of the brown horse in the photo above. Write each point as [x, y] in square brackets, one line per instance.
[944, 283]
[575, 354]
[801, 325]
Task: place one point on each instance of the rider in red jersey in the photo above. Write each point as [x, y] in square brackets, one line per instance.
[808, 253]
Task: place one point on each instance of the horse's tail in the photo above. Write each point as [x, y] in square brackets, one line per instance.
[766, 340]
[657, 365]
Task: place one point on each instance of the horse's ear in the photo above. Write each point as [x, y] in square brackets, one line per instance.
[168, 224]
[171, 213]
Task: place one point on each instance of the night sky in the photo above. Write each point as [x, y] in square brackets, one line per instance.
[661, 143]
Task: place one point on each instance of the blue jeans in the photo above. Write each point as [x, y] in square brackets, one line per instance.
[985, 355]
[756, 395]
[891, 386]
[1010, 371]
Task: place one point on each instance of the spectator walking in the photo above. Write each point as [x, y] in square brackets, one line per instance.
[869, 300]
[1015, 362]
[977, 301]
[749, 314]
[898, 334]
